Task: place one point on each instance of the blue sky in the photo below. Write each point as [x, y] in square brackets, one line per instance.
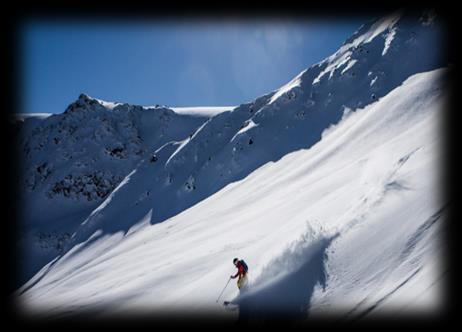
[174, 63]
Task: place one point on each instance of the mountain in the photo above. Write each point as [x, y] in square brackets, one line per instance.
[72, 161]
[326, 186]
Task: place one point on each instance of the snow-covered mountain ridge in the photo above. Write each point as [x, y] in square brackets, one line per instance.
[341, 148]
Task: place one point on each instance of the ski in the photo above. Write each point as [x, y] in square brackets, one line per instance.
[230, 306]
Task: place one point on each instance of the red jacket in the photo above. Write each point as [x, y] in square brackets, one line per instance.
[240, 270]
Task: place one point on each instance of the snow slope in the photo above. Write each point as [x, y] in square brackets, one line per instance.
[228, 146]
[359, 209]
[334, 176]
[202, 110]
[23, 116]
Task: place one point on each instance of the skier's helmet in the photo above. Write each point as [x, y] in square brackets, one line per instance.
[235, 261]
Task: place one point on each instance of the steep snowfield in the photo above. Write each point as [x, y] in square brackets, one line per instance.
[228, 146]
[328, 187]
[350, 226]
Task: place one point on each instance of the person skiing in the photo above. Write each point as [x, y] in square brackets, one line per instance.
[241, 273]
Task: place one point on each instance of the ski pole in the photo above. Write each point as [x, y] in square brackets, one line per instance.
[223, 289]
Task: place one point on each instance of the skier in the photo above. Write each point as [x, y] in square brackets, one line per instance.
[241, 273]
[242, 269]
